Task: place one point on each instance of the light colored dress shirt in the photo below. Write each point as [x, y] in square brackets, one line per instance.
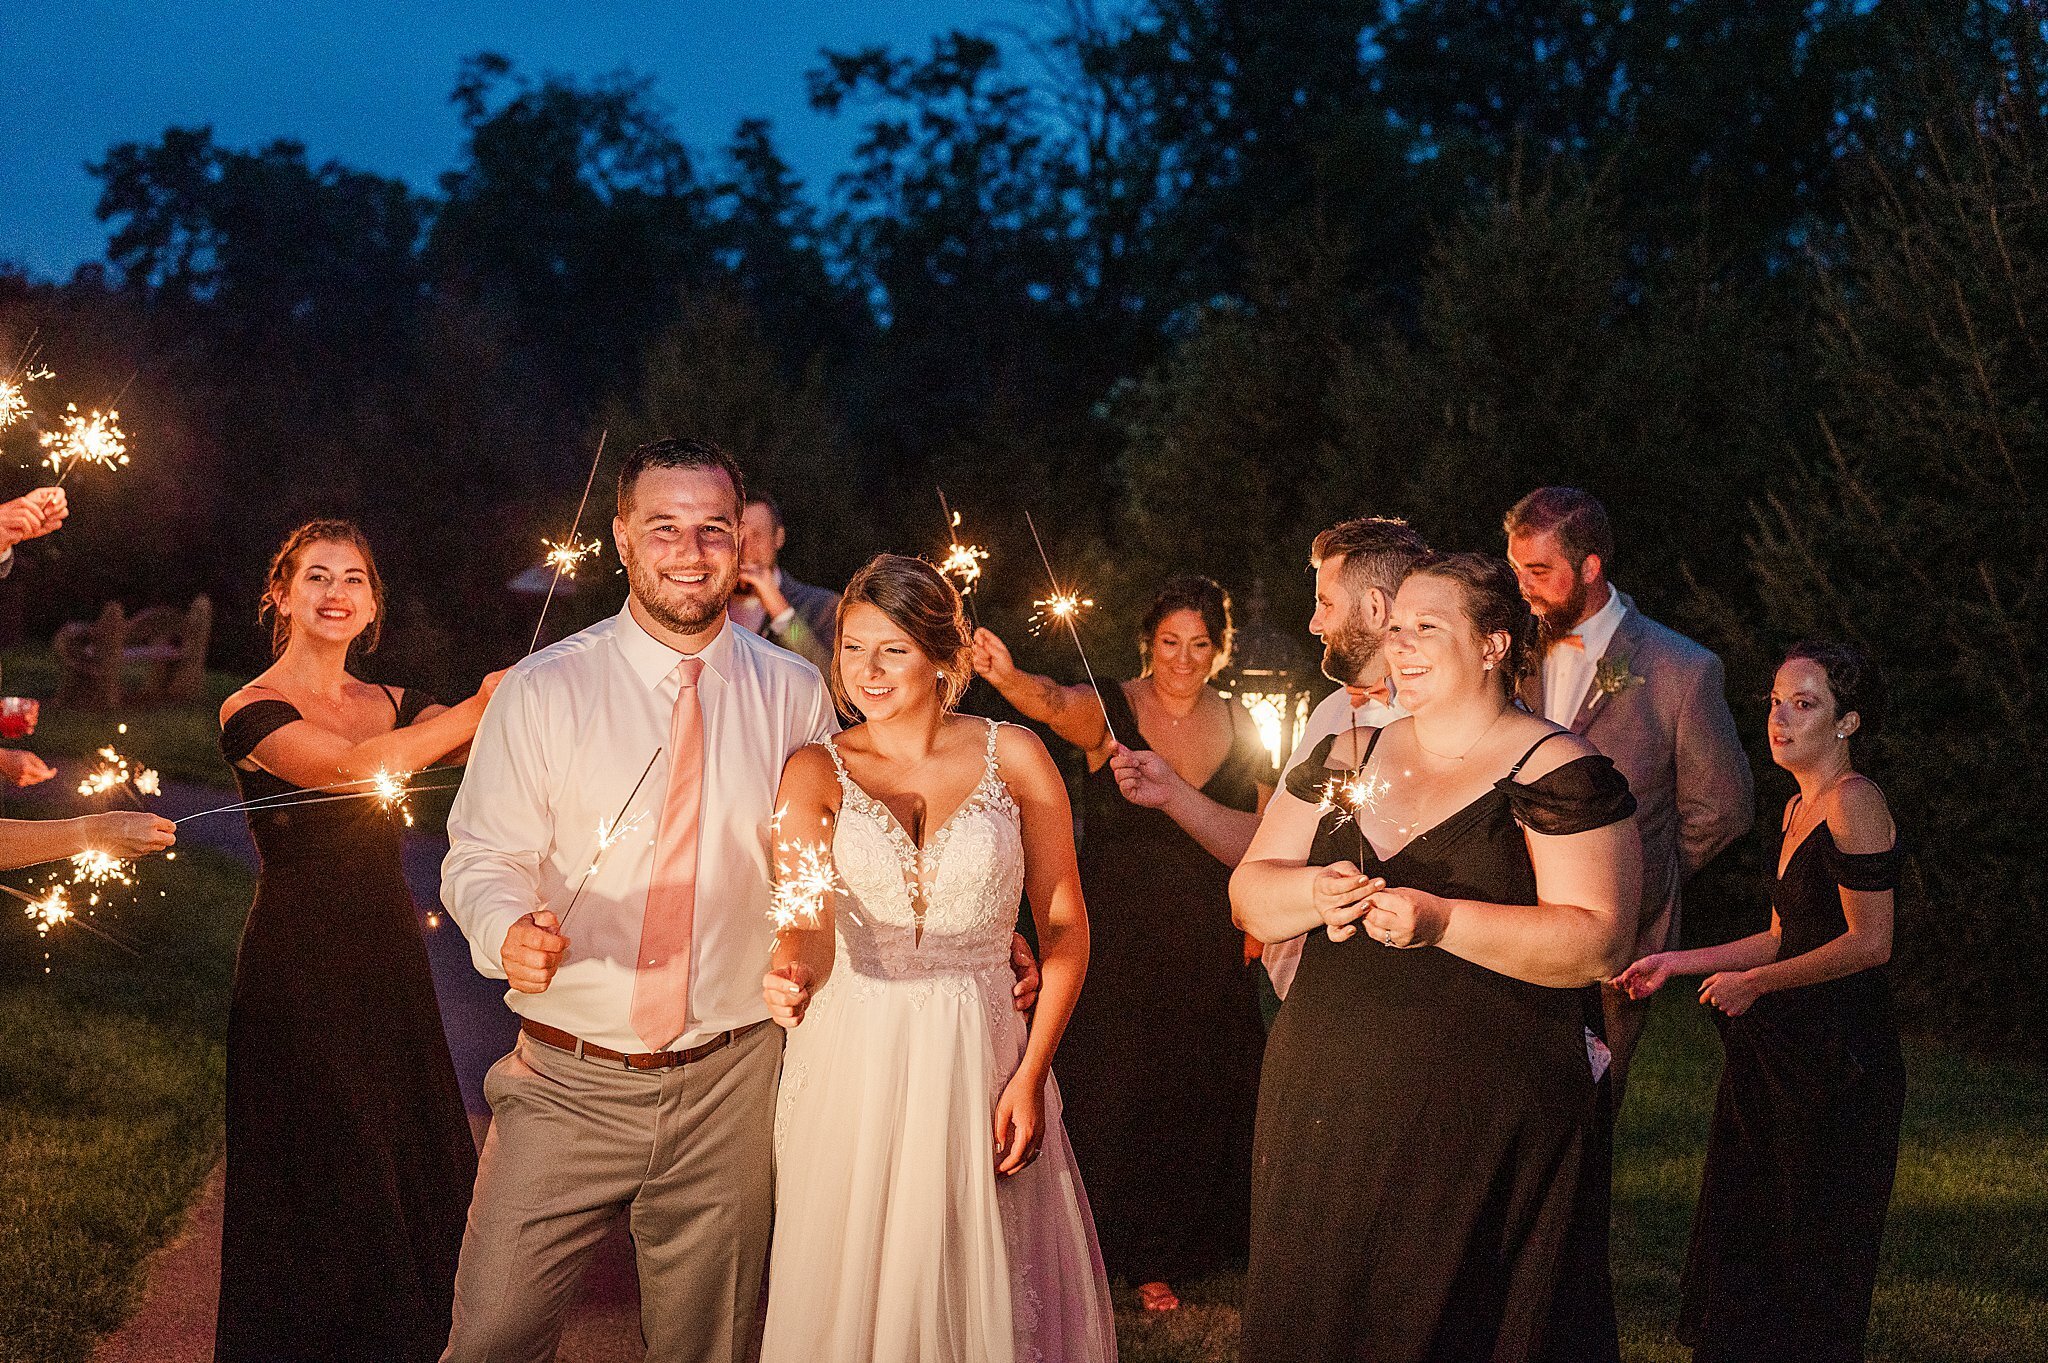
[1336, 714]
[1568, 670]
[567, 734]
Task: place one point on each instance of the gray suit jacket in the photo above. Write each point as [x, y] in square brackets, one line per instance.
[1672, 736]
[810, 631]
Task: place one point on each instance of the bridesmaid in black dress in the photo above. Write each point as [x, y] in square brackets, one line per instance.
[1429, 1112]
[1160, 1062]
[349, 1157]
[1806, 1124]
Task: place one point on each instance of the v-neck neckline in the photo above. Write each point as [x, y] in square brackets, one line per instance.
[1460, 812]
[1138, 727]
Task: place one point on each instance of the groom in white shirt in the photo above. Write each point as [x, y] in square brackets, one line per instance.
[644, 1076]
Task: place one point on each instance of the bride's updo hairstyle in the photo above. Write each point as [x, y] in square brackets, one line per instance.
[1494, 604]
[920, 601]
[284, 566]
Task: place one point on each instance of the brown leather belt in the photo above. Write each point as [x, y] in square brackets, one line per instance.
[647, 1060]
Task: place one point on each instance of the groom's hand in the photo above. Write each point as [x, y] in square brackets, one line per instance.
[788, 993]
[1025, 966]
[533, 952]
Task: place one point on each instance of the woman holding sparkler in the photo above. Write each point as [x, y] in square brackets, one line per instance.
[123, 833]
[1430, 1098]
[1162, 1074]
[1806, 1124]
[927, 1204]
[349, 1157]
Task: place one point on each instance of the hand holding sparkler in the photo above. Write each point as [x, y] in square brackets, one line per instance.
[532, 952]
[32, 515]
[1341, 894]
[125, 834]
[1144, 777]
[800, 908]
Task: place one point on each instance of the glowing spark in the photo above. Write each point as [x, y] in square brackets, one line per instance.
[610, 832]
[93, 867]
[390, 790]
[963, 561]
[94, 439]
[52, 910]
[114, 772]
[564, 557]
[1354, 796]
[805, 878]
[1059, 608]
[14, 394]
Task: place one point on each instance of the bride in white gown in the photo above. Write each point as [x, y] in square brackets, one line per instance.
[927, 1208]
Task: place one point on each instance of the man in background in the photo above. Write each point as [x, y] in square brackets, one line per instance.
[769, 602]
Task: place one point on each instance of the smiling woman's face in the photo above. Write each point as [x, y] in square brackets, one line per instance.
[882, 670]
[1432, 645]
[330, 597]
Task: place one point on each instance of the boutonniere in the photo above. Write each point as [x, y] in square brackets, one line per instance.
[1612, 677]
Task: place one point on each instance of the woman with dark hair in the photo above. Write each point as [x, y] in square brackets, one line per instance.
[927, 1205]
[1806, 1124]
[1162, 1069]
[349, 1158]
[1429, 1095]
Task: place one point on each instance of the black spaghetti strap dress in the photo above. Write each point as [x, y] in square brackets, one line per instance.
[1804, 1143]
[1425, 1124]
[1159, 1067]
[349, 1157]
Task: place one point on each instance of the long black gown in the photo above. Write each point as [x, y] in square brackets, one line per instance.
[349, 1157]
[1159, 1067]
[1803, 1146]
[1425, 1124]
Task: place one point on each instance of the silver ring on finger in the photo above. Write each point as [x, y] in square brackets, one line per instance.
[1388, 937]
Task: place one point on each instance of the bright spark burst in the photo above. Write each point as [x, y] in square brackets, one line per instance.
[610, 833]
[963, 562]
[1354, 796]
[1060, 608]
[114, 771]
[94, 867]
[14, 394]
[390, 790]
[804, 878]
[564, 557]
[52, 910]
[93, 439]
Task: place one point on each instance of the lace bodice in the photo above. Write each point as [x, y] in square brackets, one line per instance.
[948, 909]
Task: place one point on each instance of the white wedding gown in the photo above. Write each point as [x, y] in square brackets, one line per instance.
[895, 1240]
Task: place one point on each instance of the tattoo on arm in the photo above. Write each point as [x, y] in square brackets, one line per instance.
[1054, 697]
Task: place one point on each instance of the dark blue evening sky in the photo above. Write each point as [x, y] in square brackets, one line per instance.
[366, 83]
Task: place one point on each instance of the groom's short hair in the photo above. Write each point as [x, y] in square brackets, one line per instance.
[679, 452]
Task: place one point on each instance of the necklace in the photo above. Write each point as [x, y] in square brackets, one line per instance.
[1458, 757]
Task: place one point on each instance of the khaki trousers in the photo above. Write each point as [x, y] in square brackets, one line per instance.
[689, 1153]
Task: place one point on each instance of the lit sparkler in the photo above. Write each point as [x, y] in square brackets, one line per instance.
[564, 557]
[805, 879]
[962, 562]
[1066, 605]
[391, 790]
[609, 832]
[96, 868]
[115, 772]
[14, 392]
[96, 438]
[53, 909]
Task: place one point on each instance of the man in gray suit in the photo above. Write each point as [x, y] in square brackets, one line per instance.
[1648, 697]
[802, 618]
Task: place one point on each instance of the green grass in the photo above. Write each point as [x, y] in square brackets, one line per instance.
[111, 1071]
[182, 742]
[1965, 1275]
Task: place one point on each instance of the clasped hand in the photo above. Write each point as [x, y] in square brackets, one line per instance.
[1347, 899]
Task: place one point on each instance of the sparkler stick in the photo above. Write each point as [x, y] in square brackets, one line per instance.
[1065, 606]
[608, 833]
[297, 794]
[568, 546]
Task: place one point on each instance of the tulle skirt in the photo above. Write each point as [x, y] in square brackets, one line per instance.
[894, 1237]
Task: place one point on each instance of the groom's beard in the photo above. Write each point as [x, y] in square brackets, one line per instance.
[678, 609]
[1562, 620]
[1348, 649]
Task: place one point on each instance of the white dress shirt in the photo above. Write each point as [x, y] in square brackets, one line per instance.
[1568, 671]
[1335, 715]
[566, 736]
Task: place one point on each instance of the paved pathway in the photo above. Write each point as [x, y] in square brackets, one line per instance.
[174, 1323]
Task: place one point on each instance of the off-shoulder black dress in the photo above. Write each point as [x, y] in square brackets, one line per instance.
[349, 1158]
[1804, 1143]
[1424, 1122]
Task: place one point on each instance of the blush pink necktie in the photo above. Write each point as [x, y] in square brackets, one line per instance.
[661, 981]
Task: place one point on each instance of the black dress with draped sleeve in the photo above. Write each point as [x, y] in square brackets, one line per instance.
[1424, 1123]
[1804, 1143]
[1159, 1066]
[349, 1157]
